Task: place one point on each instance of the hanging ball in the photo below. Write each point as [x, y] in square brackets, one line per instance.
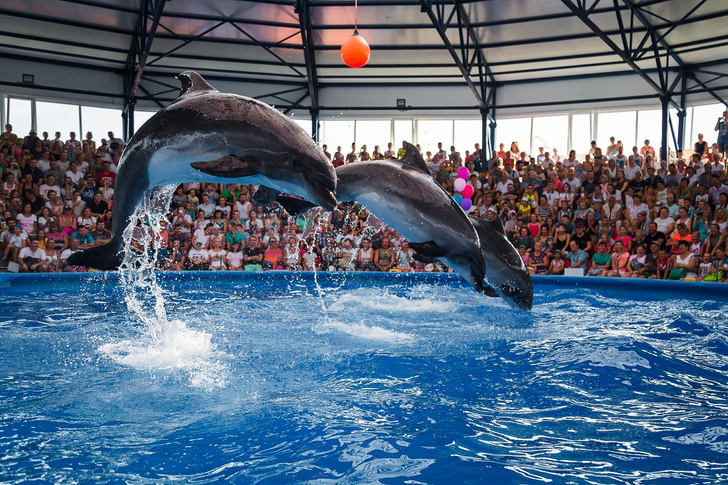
[458, 198]
[468, 191]
[355, 51]
[459, 184]
[466, 203]
[464, 173]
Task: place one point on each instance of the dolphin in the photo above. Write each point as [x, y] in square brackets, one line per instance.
[209, 136]
[403, 195]
[505, 271]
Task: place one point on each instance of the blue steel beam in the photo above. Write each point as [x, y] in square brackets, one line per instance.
[303, 9]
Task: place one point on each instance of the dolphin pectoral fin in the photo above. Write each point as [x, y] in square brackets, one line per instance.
[488, 291]
[265, 195]
[423, 259]
[428, 249]
[228, 166]
[295, 206]
[105, 257]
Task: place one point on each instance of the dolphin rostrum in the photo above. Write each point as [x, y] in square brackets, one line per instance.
[403, 195]
[209, 136]
[505, 271]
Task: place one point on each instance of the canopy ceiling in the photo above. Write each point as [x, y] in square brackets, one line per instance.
[290, 49]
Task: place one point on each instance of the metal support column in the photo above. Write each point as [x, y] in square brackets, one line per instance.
[485, 131]
[150, 13]
[315, 125]
[303, 8]
[664, 145]
[468, 56]
[682, 114]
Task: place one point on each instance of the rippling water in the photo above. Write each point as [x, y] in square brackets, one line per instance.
[397, 382]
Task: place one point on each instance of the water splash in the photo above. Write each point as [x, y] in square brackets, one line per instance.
[164, 344]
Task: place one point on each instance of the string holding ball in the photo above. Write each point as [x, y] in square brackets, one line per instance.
[355, 52]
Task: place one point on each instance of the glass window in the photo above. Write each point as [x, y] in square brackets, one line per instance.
[581, 135]
[140, 117]
[649, 127]
[620, 125]
[402, 132]
[303, 123]
[372, 133]
[704, 119]
[513, 129]
[53, 117]
[550, 132]
[432, 132]
[100, 121]
[19, 115]
[467, 134]
[338, 133]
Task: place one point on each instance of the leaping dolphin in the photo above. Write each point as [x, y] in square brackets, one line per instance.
[505, 271]
[205, 132]
[403, 195]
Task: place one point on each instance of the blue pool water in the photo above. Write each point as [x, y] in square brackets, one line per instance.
[267, 378]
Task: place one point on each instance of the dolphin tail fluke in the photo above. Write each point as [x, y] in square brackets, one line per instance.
[105, 257]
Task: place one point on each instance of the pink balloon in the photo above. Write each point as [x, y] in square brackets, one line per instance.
[466, 204]
[464, 173]
[460, 184]
[468, 191]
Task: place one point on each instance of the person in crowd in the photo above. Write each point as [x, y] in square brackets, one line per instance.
[576, 256]
[683, 264]
[32, 258]
[601, 261]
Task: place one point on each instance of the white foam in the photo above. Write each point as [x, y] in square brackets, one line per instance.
[379, 301]
[165, 344]
[178, 348]
[369, 332]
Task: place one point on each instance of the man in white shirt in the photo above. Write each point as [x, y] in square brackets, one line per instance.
[631, 168]
[50, 184]
[32, 258]
[198, 258]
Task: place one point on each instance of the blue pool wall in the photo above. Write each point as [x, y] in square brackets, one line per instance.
[277, 281]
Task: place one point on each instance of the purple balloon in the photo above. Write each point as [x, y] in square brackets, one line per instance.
[464, 173]
[467, 203]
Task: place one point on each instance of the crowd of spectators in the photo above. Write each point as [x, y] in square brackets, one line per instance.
[617, 212]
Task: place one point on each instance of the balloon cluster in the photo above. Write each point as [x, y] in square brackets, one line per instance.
[464, 198]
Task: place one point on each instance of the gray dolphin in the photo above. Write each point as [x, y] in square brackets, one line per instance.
[505, 271]
[403, 195]
[208, 136]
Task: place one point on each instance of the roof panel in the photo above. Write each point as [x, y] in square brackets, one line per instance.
[243, 39]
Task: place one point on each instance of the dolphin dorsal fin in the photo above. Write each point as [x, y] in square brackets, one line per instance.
[193, 83]
[413, 159]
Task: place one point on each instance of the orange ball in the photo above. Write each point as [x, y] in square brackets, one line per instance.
[355, 51]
